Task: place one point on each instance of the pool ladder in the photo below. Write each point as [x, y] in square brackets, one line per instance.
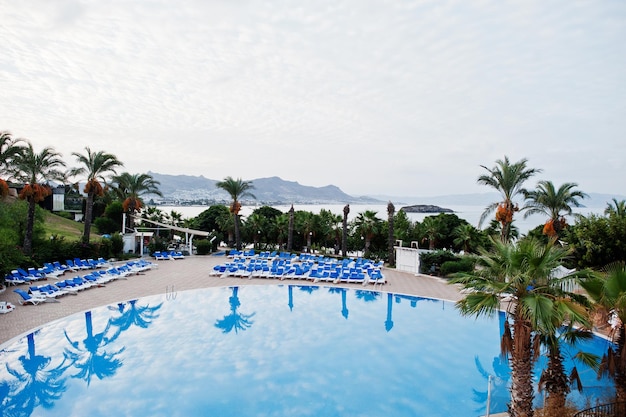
[170, 294]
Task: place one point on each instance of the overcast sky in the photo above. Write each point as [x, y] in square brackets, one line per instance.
[396, 98]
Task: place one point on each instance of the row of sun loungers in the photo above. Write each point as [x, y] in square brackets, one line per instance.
[49, 292]
[53, 270]
[304, 266]
[167, 255]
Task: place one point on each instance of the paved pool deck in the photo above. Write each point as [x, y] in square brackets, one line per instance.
[189, 273]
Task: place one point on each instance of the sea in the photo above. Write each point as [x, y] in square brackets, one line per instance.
[469, 213]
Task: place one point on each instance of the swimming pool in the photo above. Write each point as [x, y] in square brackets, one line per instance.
[283, 350]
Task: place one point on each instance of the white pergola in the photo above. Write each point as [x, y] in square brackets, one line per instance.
[189, 233]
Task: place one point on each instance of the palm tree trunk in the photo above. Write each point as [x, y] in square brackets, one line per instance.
[88, 214]
[290, 230]
[522, 394]
[237, 235]
[30, 223]
[344, 236]
[556, 383]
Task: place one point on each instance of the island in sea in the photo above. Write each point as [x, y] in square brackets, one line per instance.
[425, 208]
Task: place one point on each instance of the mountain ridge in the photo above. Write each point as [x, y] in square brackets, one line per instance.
[275, 190]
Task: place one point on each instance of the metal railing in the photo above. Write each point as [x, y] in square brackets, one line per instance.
[604, 410]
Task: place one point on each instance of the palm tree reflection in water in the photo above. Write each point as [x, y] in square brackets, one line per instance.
[35, 386]
[132, 314]
[91, 359]
[234, 321]
[344, 305]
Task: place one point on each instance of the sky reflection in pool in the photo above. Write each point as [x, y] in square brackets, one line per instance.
[262, 351]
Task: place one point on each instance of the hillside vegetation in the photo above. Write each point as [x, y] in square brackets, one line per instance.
[60, 226]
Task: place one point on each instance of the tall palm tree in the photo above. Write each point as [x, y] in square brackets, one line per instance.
[34, 170]
[344, 234]
[391, 210]
[368, 226]
[290, 228]
[95, 165]
[618, 208]
[508, 179]
[237, 189]
[555, 204]
[608, 290]
[129, 188]
[9, 148]
[522, 271]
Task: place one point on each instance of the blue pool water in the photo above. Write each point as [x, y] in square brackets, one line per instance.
[263, 351]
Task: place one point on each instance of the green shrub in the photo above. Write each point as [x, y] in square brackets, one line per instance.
[465, 264]
[117, 244]
[430, 262]
[203, 247]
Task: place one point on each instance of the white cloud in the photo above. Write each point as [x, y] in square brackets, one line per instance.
[375, 97]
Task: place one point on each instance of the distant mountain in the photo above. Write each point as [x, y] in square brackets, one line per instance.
[270, 191]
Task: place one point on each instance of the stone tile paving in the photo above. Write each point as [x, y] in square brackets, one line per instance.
[180, 275]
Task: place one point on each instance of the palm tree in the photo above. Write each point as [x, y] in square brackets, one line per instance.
[129, 188]
[256, 227]
[237, 189]
[344, 234]
[466, 237]
[95, 165]
[33, 170]
[508, 179]
[368, 226]
[9, 148]
[281, 227]
[391, 209]
[521, 271]
[430, 230]
[304, 223]
[618, 208]
[555, 204]
[608, 291]
[290, 228]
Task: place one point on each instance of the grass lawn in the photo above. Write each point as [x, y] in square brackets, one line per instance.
[62, 227]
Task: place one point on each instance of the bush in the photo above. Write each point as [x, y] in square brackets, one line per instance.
[106, 225]
[465, 264]
[430, 262]
[117, 244]
[203, 247]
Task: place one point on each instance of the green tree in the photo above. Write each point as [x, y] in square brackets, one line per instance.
[467, 237]
[367, 225]
[508, 179]
[34, 170]
[96, 165]
[554, 203]
[130, 188]
[597, 241]
[237, 189]
[430, 230]
[522, 271]
[608, 290]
